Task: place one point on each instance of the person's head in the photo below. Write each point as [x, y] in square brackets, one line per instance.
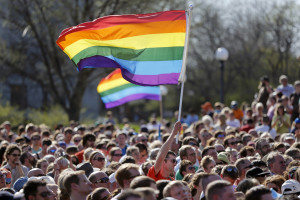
[186, 167]
[262, 147]
[230, 173]
[130, 194]
[219, 190]
[247, 151]
[243, 165]
[97, 159]
[143, 181]
[290, 186]
[46, 142]
[161, 184]
[274, 182]
[170, 162]
[259, 193]
[99, 179]
[148, 193]
[42, 164]
[208, 178]
[294, 153]
[35, 139]
[280, 110]
[115, 154]
[99, 193]
[28, 159]
[210, 151]
[76, 183]
[12, 154]
[37, 190]
[35, 172]
[208, 163]
[230, 141]
[175, 189]
[246, 184]
[125, 174]
[68, 133]
[204, 135]
[276, 163]
[88, 140]
[121, 139]
[187, 152]
[134, 152]
[283, 79]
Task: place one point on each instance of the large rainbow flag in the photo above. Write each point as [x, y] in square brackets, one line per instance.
[148, 48]
[115, 90]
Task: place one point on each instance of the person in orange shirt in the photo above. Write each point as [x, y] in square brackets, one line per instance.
[238, 113]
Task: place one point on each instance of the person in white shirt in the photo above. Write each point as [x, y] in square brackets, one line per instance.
[265, 127]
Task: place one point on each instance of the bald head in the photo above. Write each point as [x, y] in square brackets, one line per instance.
[35, 172]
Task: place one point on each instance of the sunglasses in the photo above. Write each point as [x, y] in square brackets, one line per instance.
[99, 159]
[52, 150]
[77, 140]
[221, 135]
[118, 155]
[191, 168]
[233, 143]
[205, 135]
[46, 194]
[15, 155]
[102, 180]
[230, 169]
[35, 138]
[172, 160]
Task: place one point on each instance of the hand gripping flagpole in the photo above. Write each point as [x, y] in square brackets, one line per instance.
[182, 77]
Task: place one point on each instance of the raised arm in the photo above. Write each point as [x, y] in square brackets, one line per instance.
[166, 147]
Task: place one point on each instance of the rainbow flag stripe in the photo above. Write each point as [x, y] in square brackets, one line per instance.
[148, 48]
[115, 90]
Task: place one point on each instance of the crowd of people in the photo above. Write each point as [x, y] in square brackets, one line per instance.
[248, 152]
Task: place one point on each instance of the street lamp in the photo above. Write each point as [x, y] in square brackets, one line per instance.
[222, 55]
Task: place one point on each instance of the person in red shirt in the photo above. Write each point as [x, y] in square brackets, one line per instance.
[166, 159]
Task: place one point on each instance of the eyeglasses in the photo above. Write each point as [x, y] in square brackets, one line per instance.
[173, 160]
[99, 159]
[102, 180]
[118, 155]
[232, 143]
[46, 194]
[230, 169]
[15, 155]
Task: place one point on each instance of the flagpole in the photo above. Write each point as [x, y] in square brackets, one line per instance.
[183, 68]
[161, 109]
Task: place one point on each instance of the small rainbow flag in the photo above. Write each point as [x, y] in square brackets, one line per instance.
[148, 48]
[115, 90]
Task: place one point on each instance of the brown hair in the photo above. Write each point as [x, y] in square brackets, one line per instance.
[123, 173]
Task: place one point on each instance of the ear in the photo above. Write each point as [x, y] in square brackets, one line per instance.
[74, 186]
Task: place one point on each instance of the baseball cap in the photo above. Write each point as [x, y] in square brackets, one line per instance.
[290, 186]
[256, 172]
[86, 167]
[223, 157]
[289, 136]
[297, 120]
[18, 185]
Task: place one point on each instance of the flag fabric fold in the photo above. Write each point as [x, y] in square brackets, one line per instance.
[148, 48]
[115, 90]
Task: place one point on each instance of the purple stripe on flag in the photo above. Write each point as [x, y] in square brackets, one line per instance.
[132, 98]
[146, 80]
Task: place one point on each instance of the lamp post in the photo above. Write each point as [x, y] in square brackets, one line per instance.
[222, 55]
